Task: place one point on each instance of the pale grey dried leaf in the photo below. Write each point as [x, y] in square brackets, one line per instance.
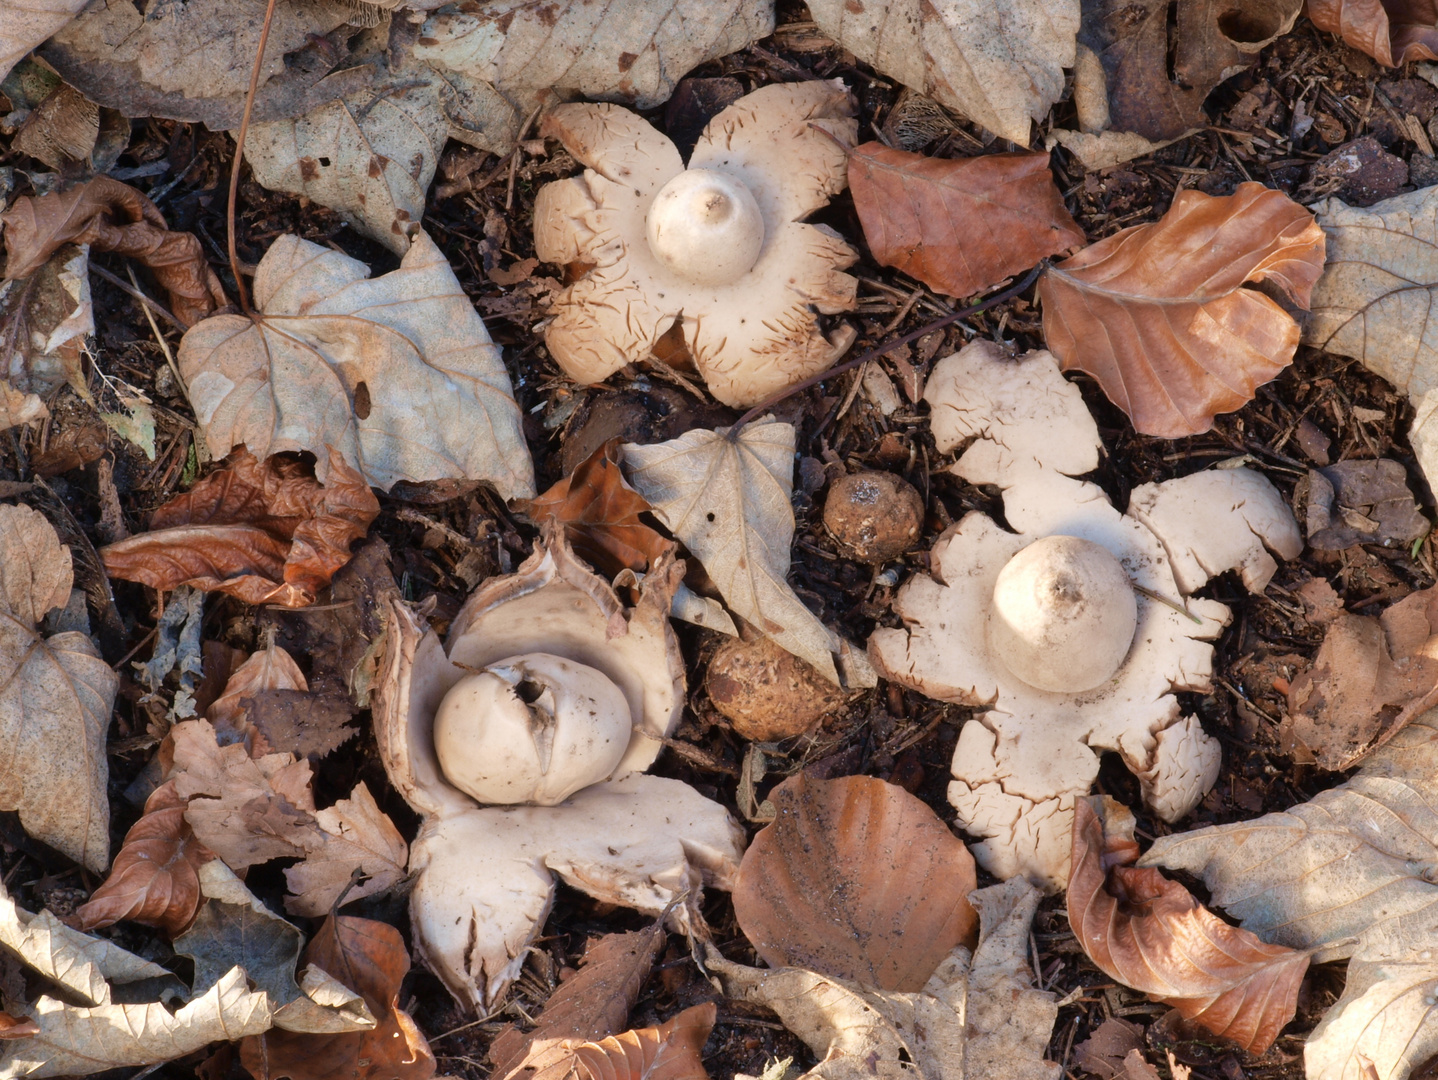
[436, 401]
[24, 24]
[42, 320]
[728, 500]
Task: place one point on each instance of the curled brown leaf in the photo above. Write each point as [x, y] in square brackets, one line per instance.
[155, 876]
[17, 1027]
[1393, 32]
[1159, 314]
[111, 216]
[265, 532]
[1151, 934]
[856, 879]
[959, 225]
[671, 1051]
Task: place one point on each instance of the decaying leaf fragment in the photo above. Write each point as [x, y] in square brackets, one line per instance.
[1161, 316]
[959, 225]
[1346, 874]
[998, 63]
[263, 531]
[397, 373]
[27, 23]
[600, 515]
[1393, 32]
[856, 879]
[977, 1018]
[111, 216]
[56, 694]
[1151, 934]
[43, 320]
[728, 500]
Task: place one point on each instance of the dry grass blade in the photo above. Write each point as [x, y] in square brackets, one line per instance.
[1159, 314]
[960, 226]
[1151, 934]
[856, 879]
[1393, 32]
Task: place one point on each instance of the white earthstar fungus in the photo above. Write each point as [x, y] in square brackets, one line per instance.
[550, 697]
[720, 247]
[1007, 616]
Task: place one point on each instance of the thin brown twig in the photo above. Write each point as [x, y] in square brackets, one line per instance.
[154, 305]
[239, 155]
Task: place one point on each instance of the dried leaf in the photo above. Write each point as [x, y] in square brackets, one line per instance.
[1105, 1053]
[1373, 300]
[155, 877]
[266, 532]
[1347, 874]
[600, 514]
[56, 694]
[43, 319]
[396, 373]
[972, 1021]
[17, 1027]
[959, 225]
[62, 129]
[1151, 934]
[357, 834]
[1393, 32]
[1159, 316]
[1000, 64]
[25, 24]
[147, 61]
[1158, 73]
[858, 880]
[371, 959]
[306, 725]
[728, 501]
[111, 216]
[268, 669]
[1362, 502]
[590, 1005]
[671, 1051]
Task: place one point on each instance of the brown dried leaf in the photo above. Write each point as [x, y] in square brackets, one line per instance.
[1151, 934]
[856, 879]
[306, 725]
[600, 514]
[111, 216]
[27, 23]
[1393, 32]
[269, 669]
[1105, 1052]
[959, 225]
[155, 878]
[371, 959]
[62, 129]
[17, 1027]
[1362, 502]
[1159, 315]
[357, 833]
[590, 1005]
[671, 1051]
[265, 532]
[43, 320]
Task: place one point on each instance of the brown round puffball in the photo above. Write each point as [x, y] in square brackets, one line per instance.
[766, 692]
[875, 516]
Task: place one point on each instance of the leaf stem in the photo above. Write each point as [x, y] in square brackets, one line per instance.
[239, 154]
[849, 365]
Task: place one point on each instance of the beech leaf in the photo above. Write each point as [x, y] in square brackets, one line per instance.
[1159, 314]
[155, 876]
[396, 373]
[959, 225]
[1151, 934]
[600, 514]
[371, 959]
[728, 501]
[1393, 32]
[999, 62]
[111, 216]
[858, 880]
[671, 1051]
[264, 531]
[1346, 874]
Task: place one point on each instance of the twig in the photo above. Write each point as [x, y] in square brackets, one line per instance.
[159, 337]
[145, 301]
[239, 155]
[923, 331]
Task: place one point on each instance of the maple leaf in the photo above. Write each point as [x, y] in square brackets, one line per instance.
[263, 531]
[959, 225]
[396, 373]
[856, 879]
[1393, 32]
[1159, 315]
[728, 500]
[600, 514]
[1151, 934]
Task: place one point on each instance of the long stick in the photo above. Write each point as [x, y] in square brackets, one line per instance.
[239, 154]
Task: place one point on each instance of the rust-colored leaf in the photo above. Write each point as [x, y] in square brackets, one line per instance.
[1159, 314]
[1151, 934]
[265, 532]
[856, 879]
[959, 225]
[111, 216]
[1393, 32]
[600, 514]
[267, 669]
[155, 876]
[371, 959]
[671, 1051]
[17, 1027]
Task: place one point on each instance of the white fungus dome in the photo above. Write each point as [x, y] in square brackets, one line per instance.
[704, 226]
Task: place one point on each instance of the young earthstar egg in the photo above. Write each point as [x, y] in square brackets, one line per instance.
[531, 729]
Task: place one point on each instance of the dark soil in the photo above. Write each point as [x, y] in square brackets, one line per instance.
[91, 484]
